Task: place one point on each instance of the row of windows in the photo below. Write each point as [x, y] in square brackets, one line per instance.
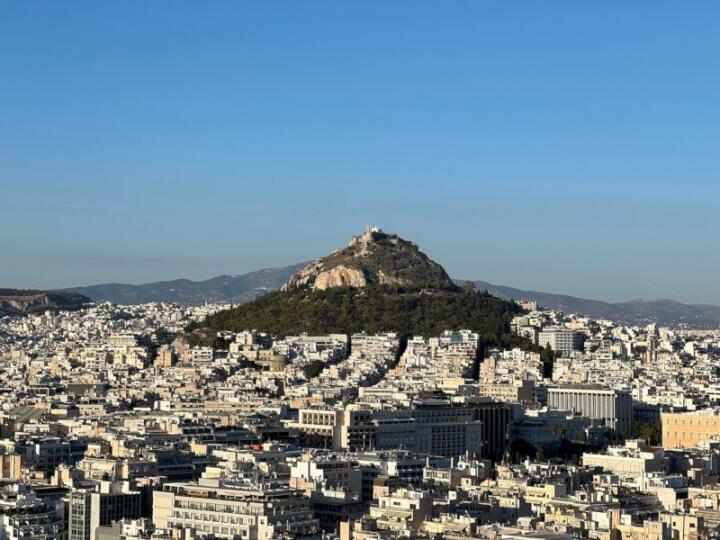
[218, 519]
[680, 434]
[236, 509]
[216, 529]
[694, 422]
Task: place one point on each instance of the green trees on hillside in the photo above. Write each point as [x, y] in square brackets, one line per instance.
[373, 309]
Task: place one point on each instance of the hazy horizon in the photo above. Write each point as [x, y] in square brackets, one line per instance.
[197, 270]
[567, 148]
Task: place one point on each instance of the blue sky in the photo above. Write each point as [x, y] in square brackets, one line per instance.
[561, 146]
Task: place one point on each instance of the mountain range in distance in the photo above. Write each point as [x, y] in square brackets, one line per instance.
[662, 311]
[246, 287]
[219, 289]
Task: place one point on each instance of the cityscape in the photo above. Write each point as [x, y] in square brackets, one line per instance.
[117, 424]
[359, 270]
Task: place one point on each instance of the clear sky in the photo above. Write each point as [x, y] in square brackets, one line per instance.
[561, 146]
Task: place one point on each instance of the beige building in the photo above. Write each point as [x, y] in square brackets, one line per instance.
[634, 460]
[402, 512]
[319, 427]
[683, 526]
[647, 530]
[516, 392]
[252, 511]
[102, 468]
[9, 466]
[165, 357]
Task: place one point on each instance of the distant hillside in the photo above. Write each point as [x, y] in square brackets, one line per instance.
[661, 311]
[235, 289]
[20, 302]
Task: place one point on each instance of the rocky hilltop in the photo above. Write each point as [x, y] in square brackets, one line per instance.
[19, 302]
[373, 258]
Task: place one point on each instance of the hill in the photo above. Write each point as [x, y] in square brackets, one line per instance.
[378, 283]
[224, 288]
[372, 269]
[20, 302]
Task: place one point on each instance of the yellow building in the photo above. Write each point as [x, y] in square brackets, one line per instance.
[685, 430]
[507, 393]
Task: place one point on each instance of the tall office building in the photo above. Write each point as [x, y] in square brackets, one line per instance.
[88, 510]
[651, 354]
[495, 417]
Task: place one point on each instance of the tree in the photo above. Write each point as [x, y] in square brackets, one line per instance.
[162, 336]
[314, 368]
[520, 448]
[649, 432]
[408, 311]
[547, 355]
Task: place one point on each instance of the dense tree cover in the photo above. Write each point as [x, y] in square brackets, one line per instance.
[314, 368]
[519, 449]
[547, 355]
[163, 337]
[372, 309]
[650, 432]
